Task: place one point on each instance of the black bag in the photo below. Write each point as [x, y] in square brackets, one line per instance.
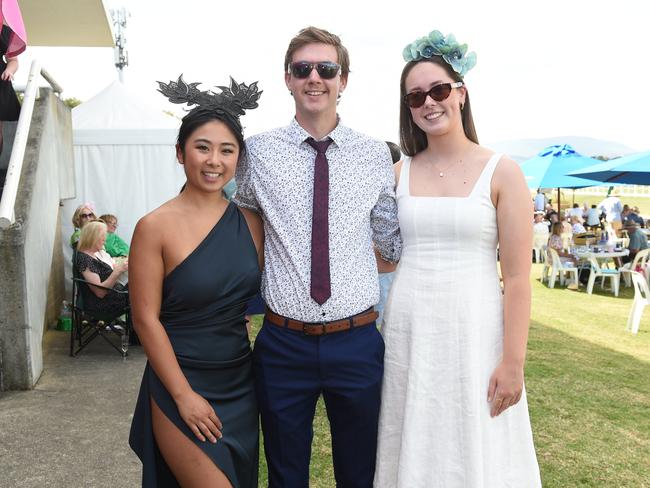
[583, 274]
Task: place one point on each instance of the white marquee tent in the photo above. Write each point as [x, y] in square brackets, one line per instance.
[125, 162]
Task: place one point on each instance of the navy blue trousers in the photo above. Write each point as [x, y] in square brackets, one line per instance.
[291, 371]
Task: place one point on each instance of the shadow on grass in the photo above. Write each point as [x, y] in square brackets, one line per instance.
[589, 407]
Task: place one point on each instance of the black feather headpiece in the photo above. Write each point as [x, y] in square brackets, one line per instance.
[231, 103]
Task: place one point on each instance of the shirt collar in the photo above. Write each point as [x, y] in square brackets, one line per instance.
[340, 135]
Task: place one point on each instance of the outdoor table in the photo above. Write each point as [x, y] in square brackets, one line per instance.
[584, 253]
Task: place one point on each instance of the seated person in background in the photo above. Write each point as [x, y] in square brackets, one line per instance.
[638, 241]
[576, 225]
[539, 225]
[114, 244]
[97, 271]
[574, 211]
[593, 217]
[555, 242]
[540, 235]
[624, 212]
[84, 213]
[566, 226]
[551, 218]
[633, 216]
[585, 211]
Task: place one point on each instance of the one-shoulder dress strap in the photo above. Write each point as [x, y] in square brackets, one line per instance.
[403, 183]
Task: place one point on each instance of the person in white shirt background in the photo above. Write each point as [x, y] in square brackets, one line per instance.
[612, 208]
[540, 200]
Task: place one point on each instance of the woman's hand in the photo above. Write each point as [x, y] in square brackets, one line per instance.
[506, 386]
[122, 266]
[10, 70]
[199, 415]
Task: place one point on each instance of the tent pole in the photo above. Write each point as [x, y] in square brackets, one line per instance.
[558, 200]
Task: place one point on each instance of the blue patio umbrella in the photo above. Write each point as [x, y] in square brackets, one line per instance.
[551, 168]
[630, 170]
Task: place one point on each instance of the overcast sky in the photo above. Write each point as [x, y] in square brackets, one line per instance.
[557, 67]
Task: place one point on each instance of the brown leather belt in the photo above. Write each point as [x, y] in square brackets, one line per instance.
[322, 328]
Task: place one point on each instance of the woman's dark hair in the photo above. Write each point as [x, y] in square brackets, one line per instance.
[412, 138]
[395, 152]
[200, 116]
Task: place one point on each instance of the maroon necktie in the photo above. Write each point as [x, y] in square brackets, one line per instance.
[320, 249]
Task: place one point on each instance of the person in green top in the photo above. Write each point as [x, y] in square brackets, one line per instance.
[114, 244]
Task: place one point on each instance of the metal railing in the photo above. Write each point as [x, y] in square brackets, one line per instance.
[10, 191]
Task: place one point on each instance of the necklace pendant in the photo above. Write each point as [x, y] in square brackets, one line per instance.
[441, 174]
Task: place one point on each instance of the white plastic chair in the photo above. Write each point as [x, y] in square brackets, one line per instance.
[596, 271]
[641, 259]
[641, 300]
[557, 269]
[539, 246]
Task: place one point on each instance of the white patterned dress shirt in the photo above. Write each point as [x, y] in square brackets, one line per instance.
[276, 178]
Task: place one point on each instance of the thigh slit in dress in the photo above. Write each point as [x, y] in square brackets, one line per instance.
[203, 305]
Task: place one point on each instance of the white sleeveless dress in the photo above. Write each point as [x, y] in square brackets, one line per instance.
[443, 330]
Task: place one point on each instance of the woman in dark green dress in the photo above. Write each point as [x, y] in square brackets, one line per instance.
[194, 265]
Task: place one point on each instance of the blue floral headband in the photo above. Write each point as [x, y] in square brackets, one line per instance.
[435, 44]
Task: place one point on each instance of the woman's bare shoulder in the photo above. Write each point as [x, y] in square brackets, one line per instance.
[161, 218]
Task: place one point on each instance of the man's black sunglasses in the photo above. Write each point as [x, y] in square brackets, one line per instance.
[326, 69]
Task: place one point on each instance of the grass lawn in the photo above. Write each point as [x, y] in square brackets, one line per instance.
[588, 384]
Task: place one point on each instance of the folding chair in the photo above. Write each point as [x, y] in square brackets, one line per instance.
[88, 324]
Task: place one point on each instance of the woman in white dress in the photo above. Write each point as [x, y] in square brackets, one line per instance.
[454, 410]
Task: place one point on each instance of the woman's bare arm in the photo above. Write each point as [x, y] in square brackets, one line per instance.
[109, 282]
[515, 242]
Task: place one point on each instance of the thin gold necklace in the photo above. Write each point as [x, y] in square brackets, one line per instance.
[442, 172]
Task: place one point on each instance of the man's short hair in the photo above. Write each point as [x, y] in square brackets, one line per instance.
[314, 35]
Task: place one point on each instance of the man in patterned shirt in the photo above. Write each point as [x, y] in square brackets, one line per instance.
[325, 193]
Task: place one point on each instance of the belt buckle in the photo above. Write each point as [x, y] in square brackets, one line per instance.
[306, 328]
